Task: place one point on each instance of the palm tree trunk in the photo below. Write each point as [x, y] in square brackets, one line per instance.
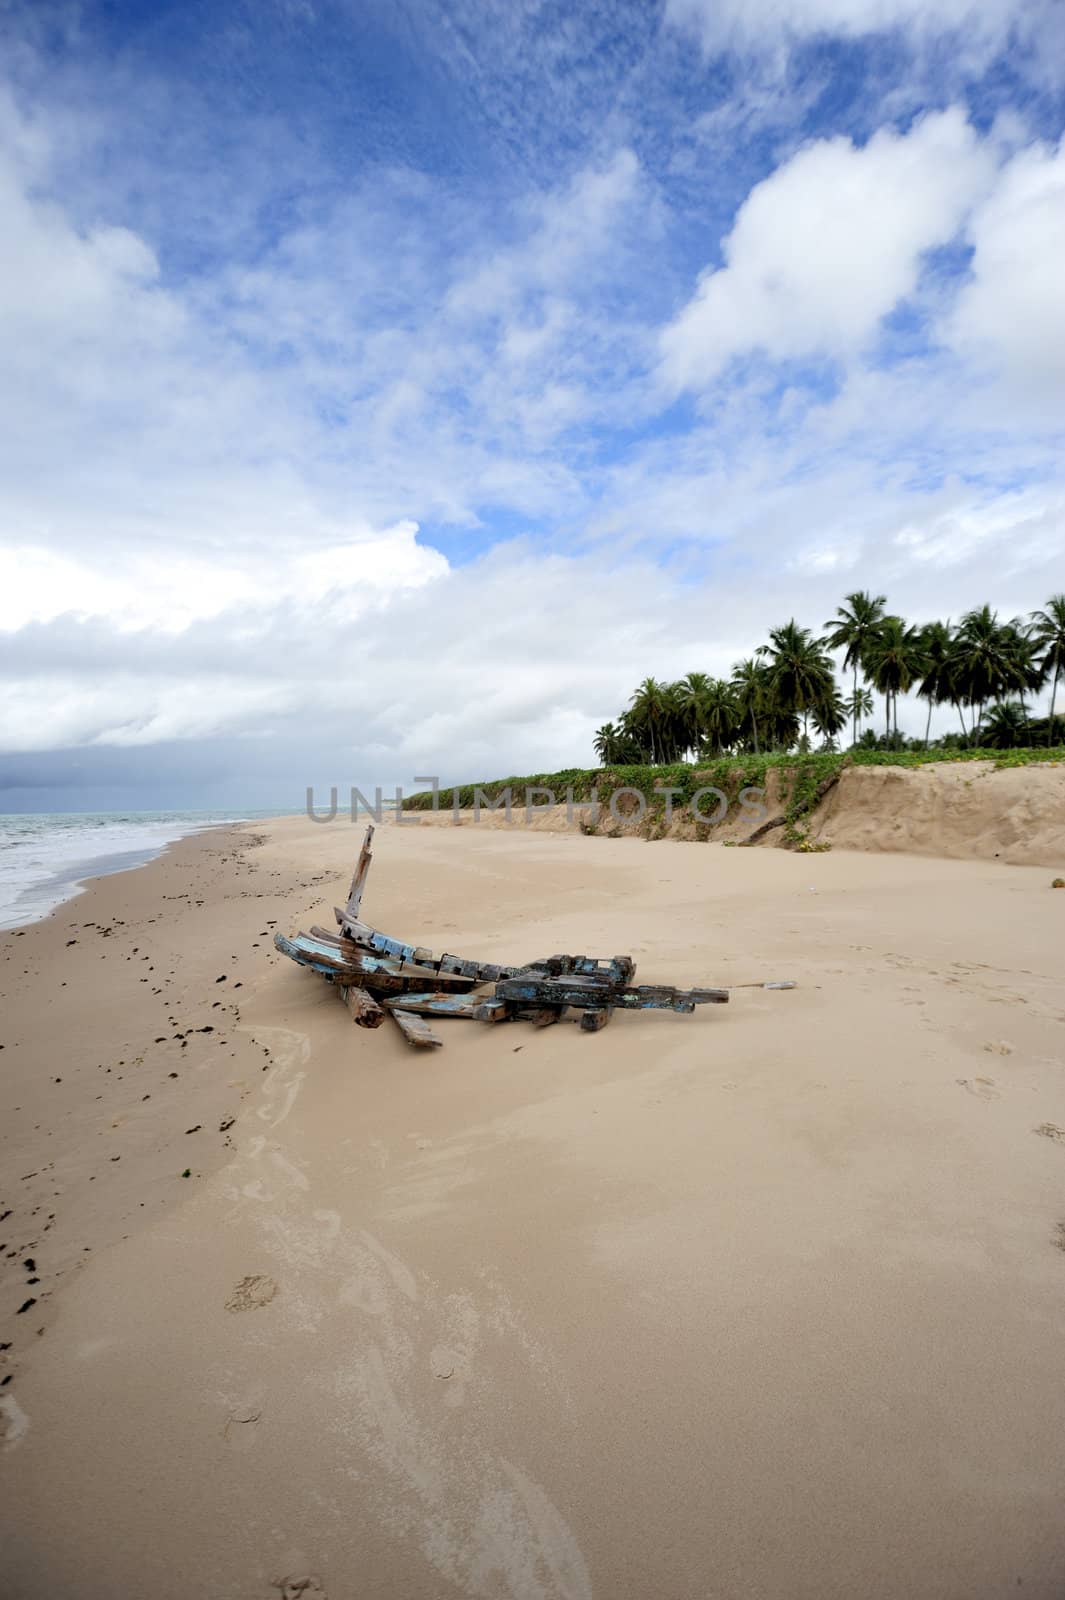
[854, 707]
[1053, 697]
[928, 722]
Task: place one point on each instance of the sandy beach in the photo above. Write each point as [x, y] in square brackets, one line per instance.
[761, 1302]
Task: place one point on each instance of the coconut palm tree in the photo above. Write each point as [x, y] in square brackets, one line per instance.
[720, 716]
[894, 659]
[1005, 726]
[936, 685]
[648, 711]
[750, 689]
[987, 660]
[829, 717]
[852, 630]
[858, 704]
[691, 695]
[1048, 632]
[800, 670]
[608, 743]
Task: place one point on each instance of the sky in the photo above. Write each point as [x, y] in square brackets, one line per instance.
[388, 386]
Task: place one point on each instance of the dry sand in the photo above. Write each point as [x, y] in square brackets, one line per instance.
[763, 1302]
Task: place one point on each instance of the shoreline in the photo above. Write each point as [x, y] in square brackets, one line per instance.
[97, 1098]
[711, 1302]
[136, 839]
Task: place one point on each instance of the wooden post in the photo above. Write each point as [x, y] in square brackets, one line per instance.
[363, 1007]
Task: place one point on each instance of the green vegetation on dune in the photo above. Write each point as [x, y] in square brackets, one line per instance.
[800, 776]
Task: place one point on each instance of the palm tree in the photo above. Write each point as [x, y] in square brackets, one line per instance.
[608, 741]
[676, 725]
[1048, 632]
[1005, 727]
[986, 658]
[720, 715]
[936, 685]
[648, 712]
[830, 717]
[852, 630]
[895, 658]
[800, 670]
[749, 687]
[859, 704]
[691, 693]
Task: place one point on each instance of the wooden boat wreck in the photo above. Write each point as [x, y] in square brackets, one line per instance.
[378, 976]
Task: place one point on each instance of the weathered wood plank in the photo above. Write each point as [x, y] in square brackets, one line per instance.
[615, 969]
[435, 1004]
[367, 938]
[362, 868]
[592, 1021]
[321, 958]
[327, 937]
[365, 969]
[596, 992]
[365, 1011]
[415, 1030]
[491, 1010]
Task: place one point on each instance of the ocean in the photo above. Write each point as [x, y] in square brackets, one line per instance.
[44, 859]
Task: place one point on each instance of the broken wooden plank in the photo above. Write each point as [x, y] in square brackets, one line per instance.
[588, 992]
[320, 957]
[617, 969]
[415, 1030]
[647, 997]
[367, 938]
[543, 1016]
[363, 968]
[491, 1011]
[327, 937]
[435, 1004]
[362, 868]
[592, 1021]
[365, 1011]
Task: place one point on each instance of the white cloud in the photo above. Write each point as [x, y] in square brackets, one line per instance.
[125, 711]
[1011, 313]
[346, 577]
[724, 24]
[827, 246]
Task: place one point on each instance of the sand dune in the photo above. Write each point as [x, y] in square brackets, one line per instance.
[968, 810]
[761, 1302]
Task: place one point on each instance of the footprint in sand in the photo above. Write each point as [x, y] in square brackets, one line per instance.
[1050, 1130]
[982, 1088]
[252, 1292]
[307, 1588]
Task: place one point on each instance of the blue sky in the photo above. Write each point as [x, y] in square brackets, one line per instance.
[386, 389]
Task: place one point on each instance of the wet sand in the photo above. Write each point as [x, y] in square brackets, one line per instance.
[766, 1301]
